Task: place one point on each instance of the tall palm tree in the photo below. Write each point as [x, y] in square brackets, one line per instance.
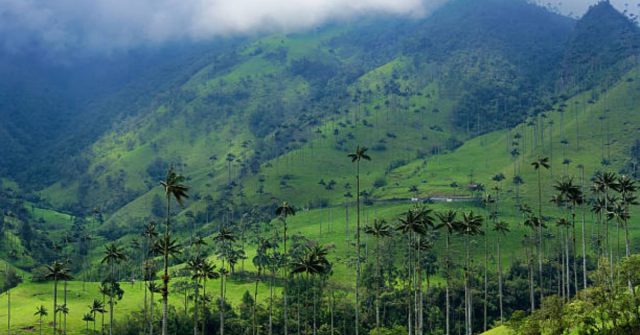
[113, 255]
[41, 312]
[359, 155]
[87, 318]
[575, 198]
[410, 225]
[173, 188]
[502, 228]
[563, 223]
[603, 183]
[224, 238]
[283, 211]
[96, 307]
[470, 225]
[312, 262]
[536, 224]
[260, 261]
[449, 222]
[150, 235]
[195, 265]
[153, 288]
[379, 230]
[63, 310]
[538, 165]
[627, 189]
[208, 272]
[56, 272]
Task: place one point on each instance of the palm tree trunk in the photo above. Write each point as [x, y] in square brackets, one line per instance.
[540, 278]
[486, 278]
[55, 304]
[273, 274]
[408, 286]
[195, 309]
[378, 285]
[221, 312]
[566, 264]
[447, 296]
[500, 283]
[573, 236]
[628, 253]
[531, 294]
[357, 304]
[64, 315]
[151, 316]
[9, 312]
[584, 243]
[286, 284]
[165, 276]
[204, 304]
[333, 301]
[102, 325]
[111, 314]
[255, 306]
[146, 307]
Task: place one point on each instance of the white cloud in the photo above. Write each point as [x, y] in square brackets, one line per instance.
[108, 24]
[58, 25]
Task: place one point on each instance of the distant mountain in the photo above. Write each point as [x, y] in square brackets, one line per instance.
[227, 111]
[603, 46]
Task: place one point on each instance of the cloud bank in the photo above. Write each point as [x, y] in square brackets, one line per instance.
[58, 25]
[106, 25]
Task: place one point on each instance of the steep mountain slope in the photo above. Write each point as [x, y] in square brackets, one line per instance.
[603, 46]
[385, 84]
[53, 109]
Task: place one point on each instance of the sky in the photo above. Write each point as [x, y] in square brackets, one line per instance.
[108, 25]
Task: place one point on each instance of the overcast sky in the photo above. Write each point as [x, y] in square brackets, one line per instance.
[103, 25]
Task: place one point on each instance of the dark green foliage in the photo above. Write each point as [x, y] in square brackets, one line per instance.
[599, 49]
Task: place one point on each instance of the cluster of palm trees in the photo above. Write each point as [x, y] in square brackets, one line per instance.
[611, 199]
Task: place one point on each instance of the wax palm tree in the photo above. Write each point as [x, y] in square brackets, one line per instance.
[224, 239]
[448, 221]
[501, 228]
[105, 290]
[96, 307]
[56, 272]
[598, 208]
[153, 288]
[563, 223]
[538, 165]
[603, 183]
[173, 188]
[208, 271]
[380, 230]
[150, 235]
[313, 262]
[260, 261]
[283, 212]
[572, 194]
[113, 255]
[196, 266]
[41, 312]
[411, 225]
[87, 318]
[359, 155]
[63, 310]
[627, 189]
[470, 225]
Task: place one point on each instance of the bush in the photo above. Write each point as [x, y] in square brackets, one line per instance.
[38, 274]
[380, 182]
